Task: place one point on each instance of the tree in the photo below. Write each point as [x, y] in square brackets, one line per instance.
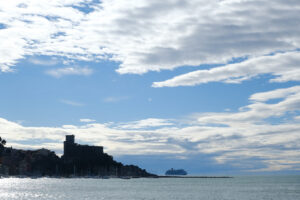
[2, 143]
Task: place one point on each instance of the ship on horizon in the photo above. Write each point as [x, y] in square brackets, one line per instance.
[172, 171]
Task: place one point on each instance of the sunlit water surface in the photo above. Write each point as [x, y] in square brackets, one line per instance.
[237, 188]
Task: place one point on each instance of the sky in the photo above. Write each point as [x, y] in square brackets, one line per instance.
[208, 86]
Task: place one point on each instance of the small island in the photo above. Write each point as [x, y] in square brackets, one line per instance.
[77, 161]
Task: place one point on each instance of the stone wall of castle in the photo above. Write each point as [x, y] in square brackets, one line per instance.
[74, 150]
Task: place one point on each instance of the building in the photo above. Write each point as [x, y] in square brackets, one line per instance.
[73, 150]
[78, 160]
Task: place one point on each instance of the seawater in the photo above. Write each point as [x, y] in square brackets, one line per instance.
[237, 188]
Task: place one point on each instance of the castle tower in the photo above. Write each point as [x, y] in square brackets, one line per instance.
[69, 145]
[70, 139]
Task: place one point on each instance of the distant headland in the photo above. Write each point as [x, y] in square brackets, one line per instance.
[77, 161]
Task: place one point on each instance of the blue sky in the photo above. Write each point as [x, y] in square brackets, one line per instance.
[212, 87]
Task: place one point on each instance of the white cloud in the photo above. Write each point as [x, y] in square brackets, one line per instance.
[297, 118]
[87, 120]
[115, 99]
[284, 66]
[259, 109]
[146, 123]
[45, 62]
[149, 35]
[60, 72]
[245, 138]
[275, 94]
[71, 103]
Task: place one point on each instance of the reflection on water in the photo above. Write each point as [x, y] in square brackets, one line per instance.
[238, 188]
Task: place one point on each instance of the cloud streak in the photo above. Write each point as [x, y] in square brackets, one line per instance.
[67, 71]
[114, 99]
[87, 120]
[283, 66]
[146, 123]
[71, 103]
[43, 62]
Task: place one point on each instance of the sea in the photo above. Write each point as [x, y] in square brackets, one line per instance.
[236, 188]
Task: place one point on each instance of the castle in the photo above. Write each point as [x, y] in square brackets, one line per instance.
[78, 160]
[73, 150]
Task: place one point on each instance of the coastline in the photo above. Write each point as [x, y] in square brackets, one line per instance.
[116, 177]
[195, 177]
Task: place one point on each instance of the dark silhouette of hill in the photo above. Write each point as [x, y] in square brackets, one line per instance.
[78, 160]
